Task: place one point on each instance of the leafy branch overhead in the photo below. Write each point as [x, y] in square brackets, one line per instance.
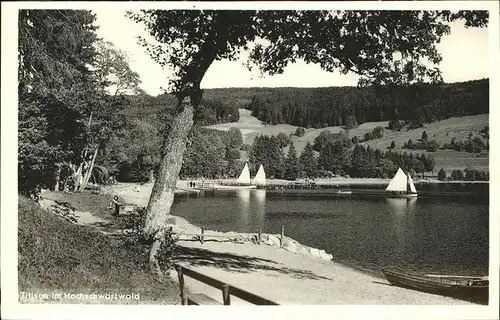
[382, 47]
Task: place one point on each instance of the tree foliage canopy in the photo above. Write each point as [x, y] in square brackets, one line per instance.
[65, 112]
[366, 43]
[55, 88]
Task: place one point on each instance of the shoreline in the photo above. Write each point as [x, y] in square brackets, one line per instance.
[291, 275]
[324, 181]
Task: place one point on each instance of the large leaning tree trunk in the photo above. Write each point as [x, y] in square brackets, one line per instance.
[162, 196]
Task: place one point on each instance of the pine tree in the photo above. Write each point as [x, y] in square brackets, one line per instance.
[359, 162]
[266, 151]
[307, 161]
[393, 145]
[441, 175]
[329, 156]
[292, 164]
[58, 92]
[424, 137]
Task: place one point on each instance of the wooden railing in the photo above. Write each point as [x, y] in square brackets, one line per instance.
[226, 289]
[201, 236]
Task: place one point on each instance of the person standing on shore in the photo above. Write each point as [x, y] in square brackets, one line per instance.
[117, 206]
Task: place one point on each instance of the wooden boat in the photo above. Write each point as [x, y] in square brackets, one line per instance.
[470, 288]
[401, 186]
[344, 192]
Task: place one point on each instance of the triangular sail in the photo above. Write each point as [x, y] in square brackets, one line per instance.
[244, 176]
[399, 182]
[412, 186]
[260, 177]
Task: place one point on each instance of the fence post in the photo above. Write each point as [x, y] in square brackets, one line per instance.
[181, 285]
[226, 297]
[202, 233]
[258, 237]
[282, 236]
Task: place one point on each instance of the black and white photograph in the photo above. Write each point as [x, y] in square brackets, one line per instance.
[250, 153]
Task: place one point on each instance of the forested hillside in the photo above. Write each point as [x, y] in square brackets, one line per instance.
[133, 150]
[350, 106]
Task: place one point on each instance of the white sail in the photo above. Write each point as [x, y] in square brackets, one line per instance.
[412, 186]
[260, 177]
[244, 176]
[399, 182]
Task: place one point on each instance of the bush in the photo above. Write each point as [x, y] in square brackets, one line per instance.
[378, 132]
[284, 139]
[368, 136]
[457, 175]
[441, 175]
[246, 147]
[415, 124]
[392, 146]
[485, 132]
[232, 154]
[395, 125]
[424, 136]
[475, 175]
[475, 145]
[351, 122]
[299, 132]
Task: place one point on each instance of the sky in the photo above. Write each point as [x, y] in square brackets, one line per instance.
[464, 51]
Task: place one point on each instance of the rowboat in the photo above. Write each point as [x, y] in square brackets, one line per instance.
[470, 288]
[344, 192]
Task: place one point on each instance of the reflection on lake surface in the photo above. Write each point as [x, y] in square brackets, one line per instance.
[427, 234]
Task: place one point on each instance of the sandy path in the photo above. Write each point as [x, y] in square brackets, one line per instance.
[292, 279]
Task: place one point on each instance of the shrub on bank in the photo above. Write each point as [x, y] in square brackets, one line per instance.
[441, 175]
[469, 174]
[299, 132]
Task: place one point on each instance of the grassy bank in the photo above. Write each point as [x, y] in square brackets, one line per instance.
[56, 256]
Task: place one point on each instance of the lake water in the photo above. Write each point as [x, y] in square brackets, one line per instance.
[431, 234]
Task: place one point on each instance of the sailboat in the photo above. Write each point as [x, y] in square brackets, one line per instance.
[243, 181]
[402, 185]
[260, 178]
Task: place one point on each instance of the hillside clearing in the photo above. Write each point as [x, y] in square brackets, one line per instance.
[443, 131]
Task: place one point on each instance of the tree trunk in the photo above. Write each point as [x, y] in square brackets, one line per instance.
[162, 195]
[77, 177]
[88, 173]
[57, 177]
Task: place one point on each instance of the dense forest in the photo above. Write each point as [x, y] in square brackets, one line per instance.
[350, 106]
